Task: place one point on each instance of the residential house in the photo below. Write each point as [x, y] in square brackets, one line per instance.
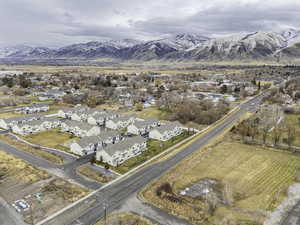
[88, 145]
[142, 127]
[120, 122]
[34, 108]
[51, 94]
[80, 129]
[35, 126]
[100, 118]
[85, 146]
[69, 112]
[116, 154]
[9, 122]
[83, 115]
[108, 137]
[166, 131]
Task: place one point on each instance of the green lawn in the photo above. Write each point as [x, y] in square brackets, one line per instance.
[51, 138]
[154, 147]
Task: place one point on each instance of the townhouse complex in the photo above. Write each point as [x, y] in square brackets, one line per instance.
[114, 137]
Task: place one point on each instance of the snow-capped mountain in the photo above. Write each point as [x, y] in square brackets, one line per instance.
[14, 50]
[291, 36]
[253, 45]
[147, 51]
[108, 48]
[184, 41]
[161, 48]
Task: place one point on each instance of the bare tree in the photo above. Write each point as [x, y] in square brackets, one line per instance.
[291, 135]
[276, 135]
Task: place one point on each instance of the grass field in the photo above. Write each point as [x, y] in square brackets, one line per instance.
[126, 219]
[295, 122]
[256, 177]
[12, 167]
[51, 138]
[34, 151]
[152, 112]
[6, 115]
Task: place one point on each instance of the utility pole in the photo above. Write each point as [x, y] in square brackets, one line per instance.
[31, 213]
[105, 212]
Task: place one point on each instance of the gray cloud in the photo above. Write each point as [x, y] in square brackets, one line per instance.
[60, 22]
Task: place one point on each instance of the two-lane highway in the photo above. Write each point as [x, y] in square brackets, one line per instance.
[91, 209]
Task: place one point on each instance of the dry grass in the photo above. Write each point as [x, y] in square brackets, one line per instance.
[34, 151]
[6, 115]
[294, 121]
[152, 112]
[257, 178]
[92, 174]
[12, 167]
[125, 219]
[50, 138]
[65, 190]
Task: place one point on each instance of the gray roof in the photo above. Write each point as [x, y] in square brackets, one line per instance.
[40, 121]
[168, 126]
[33, 123]
[86, 141]
[94, 111]
[123, 145]
[76, 109]
[122, 118]
[108, 134]
[37, 104]
[81, 125]
[145, 123]
[23, 118]
[55, 92]
[100, 115]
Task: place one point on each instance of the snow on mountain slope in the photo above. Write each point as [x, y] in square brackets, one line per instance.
[180, 46]
[14, 50]
[253, 45]
[291, 36]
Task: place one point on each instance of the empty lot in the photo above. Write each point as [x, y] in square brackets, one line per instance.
[256, 179]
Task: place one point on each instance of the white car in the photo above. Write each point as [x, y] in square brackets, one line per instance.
[22, 204]
[16, 207]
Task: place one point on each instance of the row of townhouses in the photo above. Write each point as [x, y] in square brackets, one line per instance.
[79, 129]
[120, 152]
[166, 131]
[109, 119]
[36, 126]
[142, 127]
[34, 108]
[8, 123]
[88, 145]
[121, 122]
[109, 145]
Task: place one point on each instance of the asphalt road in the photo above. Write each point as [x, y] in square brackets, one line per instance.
[111, 197]
[293, 217]
[8, 215]
[67, 171]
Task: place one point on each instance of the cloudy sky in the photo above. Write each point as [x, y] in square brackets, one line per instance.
[60, 22]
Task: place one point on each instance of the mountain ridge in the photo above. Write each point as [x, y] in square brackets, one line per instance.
[252, 45]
